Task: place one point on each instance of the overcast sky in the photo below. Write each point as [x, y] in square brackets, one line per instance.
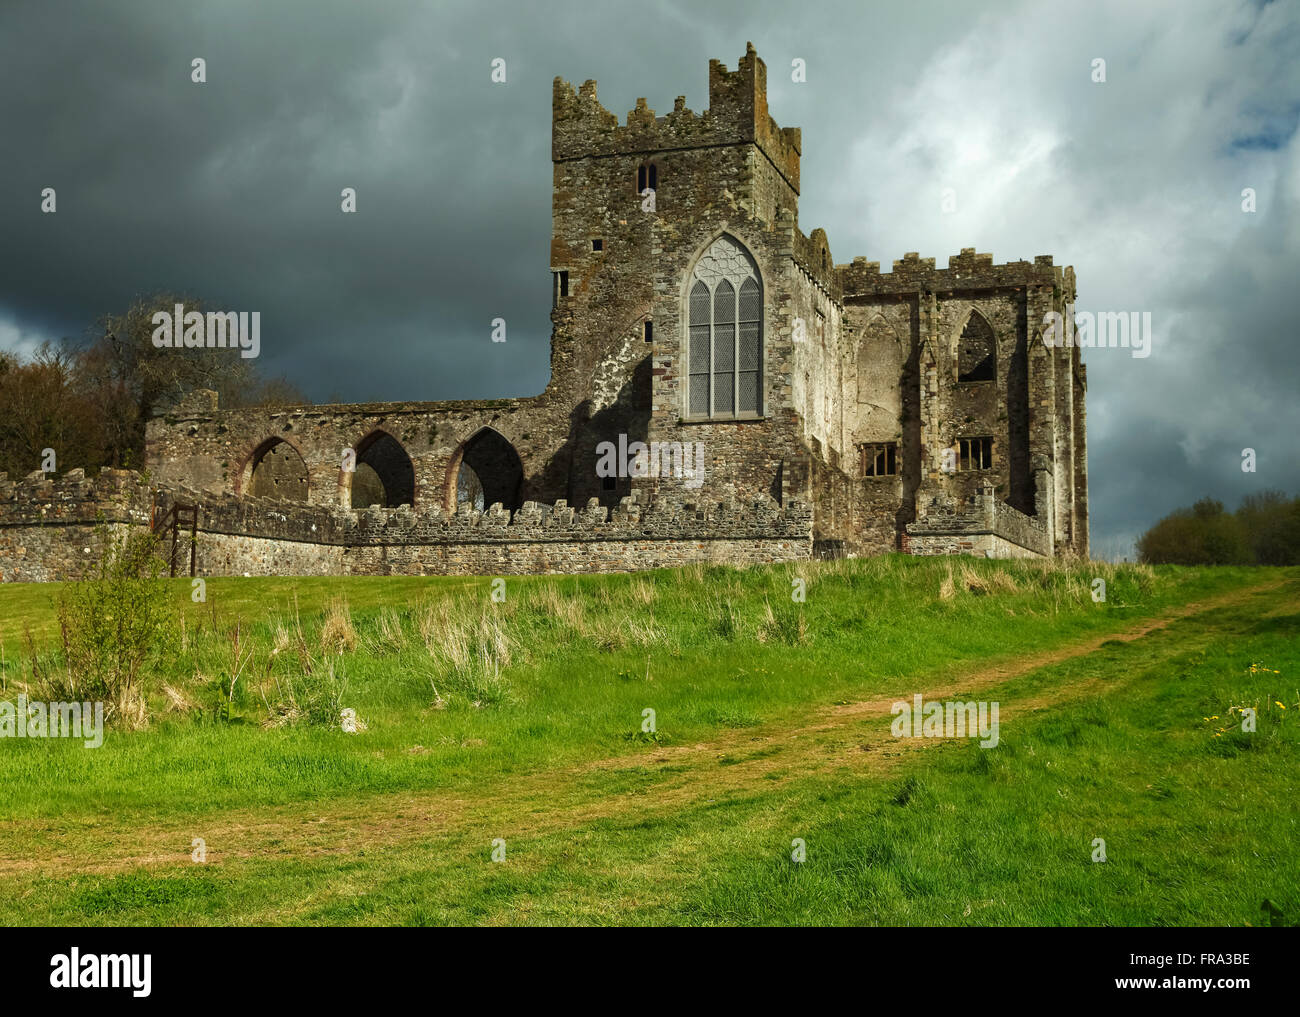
[229, 190]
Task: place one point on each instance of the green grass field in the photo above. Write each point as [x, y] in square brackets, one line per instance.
[517, 726]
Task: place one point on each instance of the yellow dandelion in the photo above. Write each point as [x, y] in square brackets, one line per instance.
[1279, 704]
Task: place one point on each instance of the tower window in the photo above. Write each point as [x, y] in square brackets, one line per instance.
[648, 331]
[647, 175]
[974, 454]
[725, 357]
[880, 460]
[598, 245]
[561, 288]
[976, 351]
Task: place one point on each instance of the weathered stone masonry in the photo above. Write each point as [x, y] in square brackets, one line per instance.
[841, 409]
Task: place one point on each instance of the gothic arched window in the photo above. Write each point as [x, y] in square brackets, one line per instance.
[725, 355]
[976, 351]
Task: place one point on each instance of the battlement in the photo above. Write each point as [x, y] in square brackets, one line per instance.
[633, 519]
[979, 524]
[114, 496]
[967, 270]
[737, 115]
[53, 528]
[812, 254]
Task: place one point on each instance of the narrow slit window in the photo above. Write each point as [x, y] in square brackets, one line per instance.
[647, 176]
[648, 331]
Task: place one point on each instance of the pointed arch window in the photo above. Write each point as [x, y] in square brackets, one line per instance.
[725, 334]
[976, 351]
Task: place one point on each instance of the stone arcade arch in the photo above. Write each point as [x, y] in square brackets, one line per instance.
[277, 470]
[384, 474]
[485, 469]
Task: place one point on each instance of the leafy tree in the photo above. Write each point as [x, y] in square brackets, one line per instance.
[45, 408]
[90, 402]
[1273, 522]
[1264, 530]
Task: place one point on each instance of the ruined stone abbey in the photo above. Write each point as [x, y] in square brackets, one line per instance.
[720, 390]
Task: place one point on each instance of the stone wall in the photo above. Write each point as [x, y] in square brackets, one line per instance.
[981, 524]
[50, 529]
[903, 330]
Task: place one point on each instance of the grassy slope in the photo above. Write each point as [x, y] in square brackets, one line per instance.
[395, 824]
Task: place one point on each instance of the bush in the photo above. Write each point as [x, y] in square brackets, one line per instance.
[112, 626]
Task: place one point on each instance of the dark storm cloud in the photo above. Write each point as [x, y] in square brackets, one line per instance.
[229, 190]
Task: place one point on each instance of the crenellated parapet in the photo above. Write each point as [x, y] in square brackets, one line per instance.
[966, 271]
[51, 529]
[813, 255]
[632, 519]
[114, 496]
[737, 114]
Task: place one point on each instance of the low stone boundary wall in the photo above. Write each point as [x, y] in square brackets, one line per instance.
[50, 528]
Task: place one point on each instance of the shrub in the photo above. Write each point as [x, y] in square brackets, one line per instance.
[112, 626]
